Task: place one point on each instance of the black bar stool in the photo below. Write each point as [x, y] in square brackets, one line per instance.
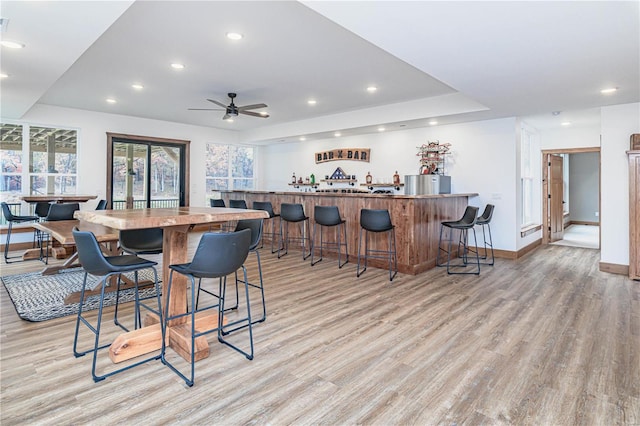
[266, 206]
[64, 211]
[217, 255]
[485, 220]
[237, 204]
[466, 223]
[329, 216]
[95, 263]
[217, 202]
[293, 213]
[11, 219]
[377, 221]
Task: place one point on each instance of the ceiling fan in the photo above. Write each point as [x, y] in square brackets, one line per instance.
[232, 110]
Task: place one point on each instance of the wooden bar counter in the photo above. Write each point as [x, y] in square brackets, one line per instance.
[416, 218]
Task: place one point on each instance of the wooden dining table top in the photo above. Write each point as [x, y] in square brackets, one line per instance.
[57, 198]
[62, 230]
[166, 217]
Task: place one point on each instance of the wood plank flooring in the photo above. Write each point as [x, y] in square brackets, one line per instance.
[543, 340]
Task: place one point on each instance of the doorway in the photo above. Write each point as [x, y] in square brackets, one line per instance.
[571, 197]
[145, 172]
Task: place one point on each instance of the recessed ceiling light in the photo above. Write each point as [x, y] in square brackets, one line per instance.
[565, 123]
[381, 129]
[312, 102]
[337, 134]
[177, 66]
[3, 75]
[229, 120]
[302, 138]
[234, 36]
[110, 101]
[11, 44]
[137, 86]
[433, 122]
[372, 89]
[608, 90]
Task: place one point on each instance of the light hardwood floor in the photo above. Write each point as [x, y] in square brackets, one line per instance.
[544, 340]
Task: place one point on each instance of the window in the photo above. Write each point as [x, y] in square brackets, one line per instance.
[44, 157]
[530, 178]
[229, 167]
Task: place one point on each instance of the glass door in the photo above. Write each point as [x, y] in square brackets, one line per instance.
[146, 174]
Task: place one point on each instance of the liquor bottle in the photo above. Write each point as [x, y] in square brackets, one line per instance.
[369, 178]
[293, 179]
[396, 178]
[313, 179]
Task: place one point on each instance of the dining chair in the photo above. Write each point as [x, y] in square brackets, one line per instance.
[102, 205]
[217, 255]
[95, 263]
[57, 211]
[11, 219]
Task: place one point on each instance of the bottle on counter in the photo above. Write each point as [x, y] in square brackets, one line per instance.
[313, 179]
[396, 178]
[369, 178]
[293, 179]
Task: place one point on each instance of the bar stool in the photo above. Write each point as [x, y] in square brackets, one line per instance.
[237, 204]
[466, 223]
[64, 211]
[102, 205]
[293, 213]
[329, 216]
[95, 263]
[11, 219]
[377, 221]
[485, 220]
[266, 206]
[217, 202]
[217, 255]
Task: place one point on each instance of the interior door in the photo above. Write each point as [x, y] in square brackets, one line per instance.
[556, 191]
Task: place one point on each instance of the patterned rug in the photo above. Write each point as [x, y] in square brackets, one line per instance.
[38, 297]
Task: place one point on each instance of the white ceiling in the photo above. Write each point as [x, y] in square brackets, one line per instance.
[452, 61]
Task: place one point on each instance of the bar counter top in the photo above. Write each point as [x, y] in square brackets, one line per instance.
[416, 219]
[339, 193]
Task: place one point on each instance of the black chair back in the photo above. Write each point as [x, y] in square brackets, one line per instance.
[102, 205]
[89, 253]
[469, 217]
[255, 225]
[42, 209]
[375, 220]
[217, 202]
[6, 211]
[486, 216]
[292, 212]
[62, 211]
[142, 241]
[237, 204]
[264, 205]
[220, 254]
[327, 215]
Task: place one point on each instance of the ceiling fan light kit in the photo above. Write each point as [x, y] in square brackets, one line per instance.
[232, 110]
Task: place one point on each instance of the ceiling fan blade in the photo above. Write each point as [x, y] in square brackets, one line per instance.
[253, 114]
[217, 103]
[205, 109]
[254, 106]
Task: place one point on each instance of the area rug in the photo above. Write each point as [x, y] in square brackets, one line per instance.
[38, 297]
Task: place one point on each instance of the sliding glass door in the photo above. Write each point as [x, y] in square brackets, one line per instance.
[147, 173]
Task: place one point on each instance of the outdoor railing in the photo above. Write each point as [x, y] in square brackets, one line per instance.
[141, 204]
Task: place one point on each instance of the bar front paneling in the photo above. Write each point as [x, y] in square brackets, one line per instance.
[416, 218]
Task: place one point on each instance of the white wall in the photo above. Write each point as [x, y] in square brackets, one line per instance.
[92, 146]
[570, 137]
[618, 123]
[482, 161]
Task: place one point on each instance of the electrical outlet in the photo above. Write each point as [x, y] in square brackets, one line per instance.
[496, 196]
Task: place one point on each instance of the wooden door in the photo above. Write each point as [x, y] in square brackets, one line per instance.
[556, 192]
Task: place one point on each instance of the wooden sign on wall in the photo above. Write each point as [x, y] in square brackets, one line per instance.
[347, 154]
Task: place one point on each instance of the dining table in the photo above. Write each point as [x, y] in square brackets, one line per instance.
[176, 223]
[58, 198]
